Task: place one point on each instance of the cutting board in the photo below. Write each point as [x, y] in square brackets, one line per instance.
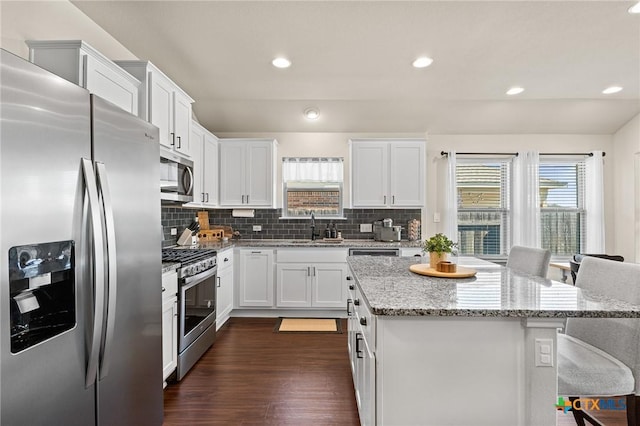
[425, 269]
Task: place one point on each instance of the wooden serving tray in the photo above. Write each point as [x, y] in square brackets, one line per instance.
[425, 269]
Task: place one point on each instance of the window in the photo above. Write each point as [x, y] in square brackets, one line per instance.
[312, 184]
[483, 205]
[562, 201]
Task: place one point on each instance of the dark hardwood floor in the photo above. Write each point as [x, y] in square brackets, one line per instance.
[252, 376]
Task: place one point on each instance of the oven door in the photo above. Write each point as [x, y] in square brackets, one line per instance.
[197, 306]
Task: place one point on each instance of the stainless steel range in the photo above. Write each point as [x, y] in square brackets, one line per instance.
[196, 303]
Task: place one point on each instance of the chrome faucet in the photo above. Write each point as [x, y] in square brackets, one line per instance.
[313, 227]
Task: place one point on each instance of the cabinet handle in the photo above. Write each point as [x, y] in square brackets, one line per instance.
[179, 142]
[256, 252]
[207, 197]
[218, 278]
[314, 271]
[393, 199]
[202, 196]
[385, 200]
[363, 321]
[173, 139]
[243, 199]
[226, 259]
[349, 301]
[308, 271]
[247, 199]
[356, 302]
[349, 278]
[163, 289]
[358, 340]
[352, 287]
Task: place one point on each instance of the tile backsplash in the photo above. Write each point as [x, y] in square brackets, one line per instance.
[275, 228]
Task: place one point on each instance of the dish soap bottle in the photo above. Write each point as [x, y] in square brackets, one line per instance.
[334, 231]
[327, 232]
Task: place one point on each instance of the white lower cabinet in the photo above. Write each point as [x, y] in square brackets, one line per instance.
[255, 280]
[361, 346]
[224, 295]
[311, 278]
[169, 323]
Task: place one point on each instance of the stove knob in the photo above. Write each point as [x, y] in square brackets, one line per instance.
[198, 267]
[189, 270]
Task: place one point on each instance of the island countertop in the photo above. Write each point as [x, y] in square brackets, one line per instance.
[390, 289]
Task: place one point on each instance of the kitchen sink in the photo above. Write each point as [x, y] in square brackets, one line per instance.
[301, 241]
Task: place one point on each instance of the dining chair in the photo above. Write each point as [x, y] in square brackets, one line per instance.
[574, 263]
[529, 260]
[600, 357]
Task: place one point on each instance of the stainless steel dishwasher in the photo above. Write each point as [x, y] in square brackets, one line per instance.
[382, 251]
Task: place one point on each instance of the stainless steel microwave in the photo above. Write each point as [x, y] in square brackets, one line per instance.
[176, 177]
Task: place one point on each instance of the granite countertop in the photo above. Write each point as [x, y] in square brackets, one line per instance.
[319, 243]
[392, 290]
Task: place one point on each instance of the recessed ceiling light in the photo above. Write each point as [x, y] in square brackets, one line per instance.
[311, 113]
[422, 62]
[281, 62]
[611, 90]
[515, 91]
[635, 8]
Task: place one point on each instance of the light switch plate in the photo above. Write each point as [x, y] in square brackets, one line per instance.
[257, 228]
[366, 227]
[174, 231]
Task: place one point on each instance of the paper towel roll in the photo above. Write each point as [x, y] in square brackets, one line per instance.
[243, 213]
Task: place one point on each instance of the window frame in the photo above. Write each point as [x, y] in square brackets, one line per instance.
[314, 186]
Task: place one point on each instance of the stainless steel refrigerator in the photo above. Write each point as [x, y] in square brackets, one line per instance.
[80, 259]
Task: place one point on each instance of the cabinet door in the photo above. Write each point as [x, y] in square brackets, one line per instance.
[259, 174]
[224, 300]
[169, 336]
[197, 144]
[182, 122]
[293, 285]
[367, 386]
[407, 175]
[256, 278]
[210, 169]
[232, 174]
[329, 285]
[108, 84]
[161, 110]
[369, 183]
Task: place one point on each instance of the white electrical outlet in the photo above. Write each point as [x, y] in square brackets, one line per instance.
[436, 218]
[544, 352]
[257, 228]
[174, 231]
[366, 227]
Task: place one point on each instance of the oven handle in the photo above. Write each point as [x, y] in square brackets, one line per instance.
[196, 279]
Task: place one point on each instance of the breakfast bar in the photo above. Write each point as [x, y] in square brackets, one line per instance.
[479, 350]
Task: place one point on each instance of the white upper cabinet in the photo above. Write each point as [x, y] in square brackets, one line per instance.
[204, 153]
[81, 64]
[163, 104]
[247, 168]
[387, 173]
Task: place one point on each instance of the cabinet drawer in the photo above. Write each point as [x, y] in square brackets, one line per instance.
[308, 255]
[169, 284]
[225, 259]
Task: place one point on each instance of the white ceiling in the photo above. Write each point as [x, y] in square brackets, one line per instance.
[352, 60]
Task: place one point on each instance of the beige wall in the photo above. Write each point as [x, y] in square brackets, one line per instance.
[52, 20]
[626, 190]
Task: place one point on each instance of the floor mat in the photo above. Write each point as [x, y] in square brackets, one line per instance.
[308, 325]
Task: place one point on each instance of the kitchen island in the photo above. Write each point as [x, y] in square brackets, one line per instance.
[480, 350]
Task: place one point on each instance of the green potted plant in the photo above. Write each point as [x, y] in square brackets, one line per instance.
[438, 247]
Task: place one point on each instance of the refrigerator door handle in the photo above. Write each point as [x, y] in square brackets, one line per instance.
[112, 273]
[98, 269]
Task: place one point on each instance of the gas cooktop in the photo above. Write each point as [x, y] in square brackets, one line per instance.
[192, 261]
